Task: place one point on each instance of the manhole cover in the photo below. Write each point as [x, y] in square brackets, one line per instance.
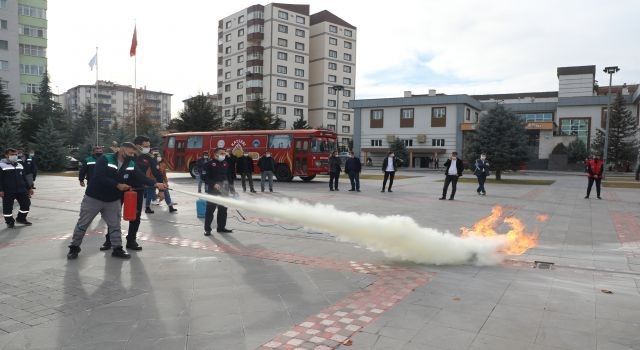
[543, 265]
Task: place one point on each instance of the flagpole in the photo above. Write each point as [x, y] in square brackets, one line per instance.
[97, 102]
[135, 81]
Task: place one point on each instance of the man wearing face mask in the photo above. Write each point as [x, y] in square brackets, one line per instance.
[14, 186]
[595, 168]
[389, 166]
[244, 166]
[481, 172]
[30, 168]
[200, 166]
[353, 167]
[267, 166]
[217, 172]
[453, 169]
[89, 163]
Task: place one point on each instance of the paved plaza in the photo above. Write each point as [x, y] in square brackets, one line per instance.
[271, 285]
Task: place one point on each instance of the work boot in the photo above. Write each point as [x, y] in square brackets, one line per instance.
[11, 224]
[207, 233]
[106, 245]
[224, 230]
[73, 252]
[172, 209]
[149, 211]
[118, 252]
[133, 245]
[23, 222]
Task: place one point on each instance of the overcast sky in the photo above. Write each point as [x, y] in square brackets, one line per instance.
[453, 46]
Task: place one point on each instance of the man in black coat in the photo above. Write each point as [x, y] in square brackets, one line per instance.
[267, 166]
[453, 169]
[389, 166]
[244, 166]
[353, 168]
[334, 171]
[216, 178]
[231, 159]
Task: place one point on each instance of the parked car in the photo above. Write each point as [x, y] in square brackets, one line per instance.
[72, 163]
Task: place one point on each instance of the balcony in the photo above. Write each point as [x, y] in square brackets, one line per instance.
[257, 36]
[255, 49]
[468, 126]
[253, 63]
[255, 21]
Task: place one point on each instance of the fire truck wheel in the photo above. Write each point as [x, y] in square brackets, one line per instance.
[193, 170]
[307, 178]
[283, 173]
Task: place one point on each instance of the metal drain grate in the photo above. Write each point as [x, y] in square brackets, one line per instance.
[543, 265]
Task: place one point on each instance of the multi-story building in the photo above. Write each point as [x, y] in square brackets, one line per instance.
[116, 102]
[213, 99]
[23, 48]
[268, 53]
[434, 125]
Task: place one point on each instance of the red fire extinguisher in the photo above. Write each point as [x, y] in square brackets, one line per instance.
[129, 207]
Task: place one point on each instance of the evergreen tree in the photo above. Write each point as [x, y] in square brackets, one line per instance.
[259, 117]
[44, 109]
[577, 151]
[84, 127]
[400, 151]
[502, 136]
[49, 145]
[300, 123]
[199, 114]
[623, 129]
[7, 112]
[9, 136]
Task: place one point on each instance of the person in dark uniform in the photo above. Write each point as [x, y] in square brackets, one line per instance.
[216, 180]
[30, 168]
[88, 164]
[244, 166]
[199, 165]
[14, 186]
[232, 160]
[335, 168]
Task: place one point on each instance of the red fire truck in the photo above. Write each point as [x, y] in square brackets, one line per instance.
[302, 153]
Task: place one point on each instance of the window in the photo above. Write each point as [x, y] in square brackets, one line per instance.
[300, 20]
[298, 98]
[376, 143]
[282, 55]
[283, 15]
[4, 65]
[299, 46]
[406, 113]
[347, 45]
[331, 115]
[476, 118]
[438, 116]
[281, 97]
[227, 25]
[333, 29]
[227, 113]
[239, 85]
[346, 129]
[4, 45]
[348, 33]
[333, 41]
[283, 29]
[3, 4]
[377, 118]
[332, 78]
[346, 117]
[437, 142]
[576, 127]
[346, 81]
[331, 103]
[3, 24]
[227, 88]
[241, 19]
[227, 49]
[282, 42]
[299, 72]
[194, 142]
[36, 32]
[298, 85]
[346, 93]
[346, 69]
[171, 143]
[544, 117]
[239, 98]
[467, 115]
[241, 45]
[408, 143]
[333, 66]
[240, 72]
[333, 54]
[29, 11]
[227, 38]
[227, 62]
[227, 100]
[239, 110]
[254, 83]
[298, 112]
[300, 33]
[281, 110]
[281, 83]
[33, 50]
[227, 75]
[299, 59]
[282, 70]
[331, 90]
[240, 32]
[347, 57]
[331, 127]
[240, 58]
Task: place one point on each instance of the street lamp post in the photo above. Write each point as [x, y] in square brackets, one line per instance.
[609, 70]
[337, 89]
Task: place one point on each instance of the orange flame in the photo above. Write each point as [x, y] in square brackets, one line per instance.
[542, 217]
[517, 240]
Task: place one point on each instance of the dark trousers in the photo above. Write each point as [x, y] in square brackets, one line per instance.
[481, 181]
[208, 216]
[7, 206]
[134, 225]
[248, 177]
[597, 181]
[333, 180]
[354, 178]
[231, 178]
[453, 180]
[388, 175]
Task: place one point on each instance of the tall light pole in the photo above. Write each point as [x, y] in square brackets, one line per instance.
[337, 89]
[611, 71]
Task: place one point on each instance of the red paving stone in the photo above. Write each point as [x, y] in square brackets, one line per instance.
[627, 228]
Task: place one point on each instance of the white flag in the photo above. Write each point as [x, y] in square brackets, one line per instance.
[93, 61]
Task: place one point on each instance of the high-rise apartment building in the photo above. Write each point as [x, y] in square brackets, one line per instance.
[23, 48]
[268, 53]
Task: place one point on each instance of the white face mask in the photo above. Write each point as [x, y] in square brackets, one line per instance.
[13, 158]
[31, 154]
[246, 154]
[483, 157]
[221, 158]
[145, 150]
[267, 155]
[159, 159]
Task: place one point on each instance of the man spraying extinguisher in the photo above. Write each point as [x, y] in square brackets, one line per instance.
[113, 175]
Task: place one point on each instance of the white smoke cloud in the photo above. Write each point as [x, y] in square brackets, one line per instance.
[397, 237]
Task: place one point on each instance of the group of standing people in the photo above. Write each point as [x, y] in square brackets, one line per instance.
[243, 166]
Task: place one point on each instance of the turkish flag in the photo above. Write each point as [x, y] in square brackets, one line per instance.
[134, 43]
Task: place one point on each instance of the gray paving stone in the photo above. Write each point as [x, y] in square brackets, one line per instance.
[444, 337]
